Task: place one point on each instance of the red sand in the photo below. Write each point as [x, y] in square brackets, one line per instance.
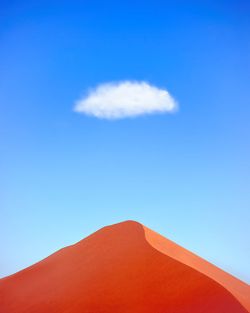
[124, 268]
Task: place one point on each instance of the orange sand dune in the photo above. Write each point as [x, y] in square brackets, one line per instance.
[124, 268]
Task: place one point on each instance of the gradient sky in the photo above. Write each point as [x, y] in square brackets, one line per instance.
[185, 175]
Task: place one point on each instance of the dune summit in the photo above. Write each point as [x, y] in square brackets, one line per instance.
[123, 268]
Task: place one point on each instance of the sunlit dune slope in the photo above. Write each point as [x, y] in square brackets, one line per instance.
[239, 289]
[123, 268]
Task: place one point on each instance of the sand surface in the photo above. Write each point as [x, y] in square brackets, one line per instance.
[122, 268]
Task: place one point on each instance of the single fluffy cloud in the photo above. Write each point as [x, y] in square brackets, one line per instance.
[125, 99]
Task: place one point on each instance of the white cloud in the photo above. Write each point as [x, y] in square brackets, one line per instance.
[125, 99]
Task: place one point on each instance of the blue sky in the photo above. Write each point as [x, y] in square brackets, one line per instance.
[64, 174]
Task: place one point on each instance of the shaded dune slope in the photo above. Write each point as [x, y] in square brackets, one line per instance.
[123, 268]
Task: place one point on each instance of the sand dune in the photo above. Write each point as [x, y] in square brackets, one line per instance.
[123, 268]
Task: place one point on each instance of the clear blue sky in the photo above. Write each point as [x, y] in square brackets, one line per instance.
[64, 175]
